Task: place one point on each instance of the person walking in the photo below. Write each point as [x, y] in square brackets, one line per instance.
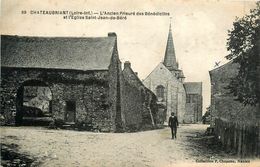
[173, 124]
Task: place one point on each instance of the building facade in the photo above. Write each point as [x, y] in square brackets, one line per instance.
[193, 112]
[223, 103]
[145, 107]
[80, 81]
[236, 125]
[167, 82]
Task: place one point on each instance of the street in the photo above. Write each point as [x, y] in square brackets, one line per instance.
[74, 148]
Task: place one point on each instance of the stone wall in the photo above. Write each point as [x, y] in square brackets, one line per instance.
[115, 92]
[223, 104]
[150, 109]
[89, 90]
[104, 100]
[138, 102]
[132, 107]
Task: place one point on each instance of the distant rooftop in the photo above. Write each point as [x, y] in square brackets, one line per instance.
[193, 87]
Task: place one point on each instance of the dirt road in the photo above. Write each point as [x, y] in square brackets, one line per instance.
[73, 148]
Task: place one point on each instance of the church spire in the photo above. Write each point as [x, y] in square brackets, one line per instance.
[170, 58]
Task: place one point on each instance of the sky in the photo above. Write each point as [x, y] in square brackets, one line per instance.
[200, 30]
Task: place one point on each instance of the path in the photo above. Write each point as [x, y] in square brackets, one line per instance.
[73, 148]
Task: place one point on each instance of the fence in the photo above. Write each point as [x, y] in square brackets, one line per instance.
[241, 138]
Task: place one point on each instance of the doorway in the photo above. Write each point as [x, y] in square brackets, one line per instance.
[70, 111]
[33, 103]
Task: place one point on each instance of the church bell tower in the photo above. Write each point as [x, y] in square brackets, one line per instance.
[169, 57]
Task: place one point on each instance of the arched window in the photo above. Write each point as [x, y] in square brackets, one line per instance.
[160, 92]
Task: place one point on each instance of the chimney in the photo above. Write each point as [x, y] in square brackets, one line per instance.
[127, 64]
[111, 34]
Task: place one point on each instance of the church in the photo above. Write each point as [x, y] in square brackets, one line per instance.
[173, 94]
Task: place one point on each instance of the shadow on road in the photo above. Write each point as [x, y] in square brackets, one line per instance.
[209, 146]
[10, 157]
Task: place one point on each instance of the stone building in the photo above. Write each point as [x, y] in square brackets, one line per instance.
[236, 125]
[82, 77]
[145, 113]
[167, 82]
[223, 104]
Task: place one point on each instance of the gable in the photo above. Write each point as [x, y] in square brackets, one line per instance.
[224, 72]
[57, 52]
[160, 73]
[131, 77]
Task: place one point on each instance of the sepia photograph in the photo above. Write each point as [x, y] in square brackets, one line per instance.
[130, 83]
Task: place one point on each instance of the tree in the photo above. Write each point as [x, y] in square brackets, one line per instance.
[243, 44]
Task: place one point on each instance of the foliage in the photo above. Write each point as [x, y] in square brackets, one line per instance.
[242, 43]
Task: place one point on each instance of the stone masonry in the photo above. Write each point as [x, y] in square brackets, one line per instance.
[84, 76]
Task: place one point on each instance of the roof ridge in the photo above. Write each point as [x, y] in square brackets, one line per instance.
[53, 37]
[219, 67]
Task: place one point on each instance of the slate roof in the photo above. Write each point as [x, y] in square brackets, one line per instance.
[57, 52]
[169, 57]
[193, 87]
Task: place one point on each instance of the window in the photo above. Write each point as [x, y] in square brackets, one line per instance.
[160, 92]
